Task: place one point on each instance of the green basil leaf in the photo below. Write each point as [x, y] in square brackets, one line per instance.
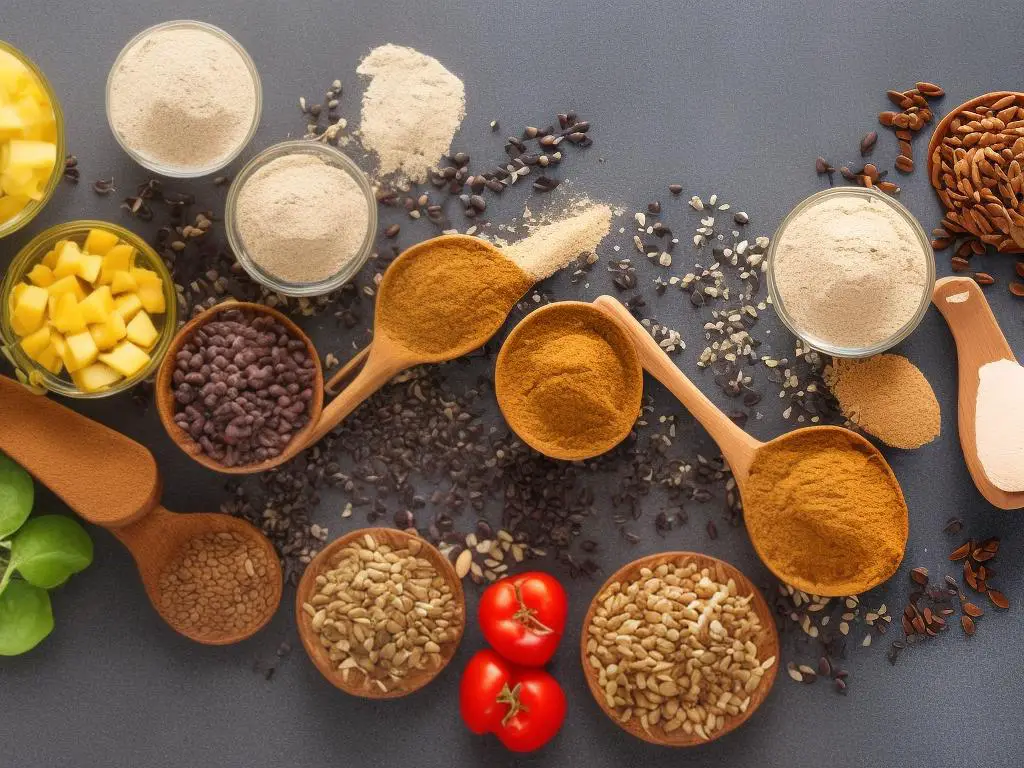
[26, 617]
[16, 496]
[48, 549]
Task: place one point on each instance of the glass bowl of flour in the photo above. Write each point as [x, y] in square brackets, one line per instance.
[301, 218]
[183, 98]
[850, 272]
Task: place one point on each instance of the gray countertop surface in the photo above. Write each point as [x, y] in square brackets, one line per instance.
[731, 97]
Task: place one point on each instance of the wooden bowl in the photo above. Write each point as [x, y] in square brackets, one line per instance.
[318, 654]
[165, 395]
[767, 644]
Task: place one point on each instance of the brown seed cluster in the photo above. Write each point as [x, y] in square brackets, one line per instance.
[217, 585]
[915, 114]
[675, 647]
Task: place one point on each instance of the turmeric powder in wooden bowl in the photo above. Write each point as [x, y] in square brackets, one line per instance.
[568, 381]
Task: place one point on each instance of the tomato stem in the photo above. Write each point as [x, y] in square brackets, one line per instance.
[528, 616]
[511, 696]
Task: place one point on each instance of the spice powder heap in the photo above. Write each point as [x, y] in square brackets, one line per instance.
[554, 244]
[448, 295]
[216, 586]
[675, 647]
[887, 396]
[999, 424]
[383, 612]
[824, 512]
[566, 382]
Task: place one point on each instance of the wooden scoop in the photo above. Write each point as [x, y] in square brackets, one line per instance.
[380, 362]
[767, 643]
[112, 481]
[979, 341]
[738, 448]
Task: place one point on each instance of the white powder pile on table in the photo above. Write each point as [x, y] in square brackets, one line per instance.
[552, 245]
[182, 98]
[411, 110]
[301, 219]
[999, 424]
[850, 271]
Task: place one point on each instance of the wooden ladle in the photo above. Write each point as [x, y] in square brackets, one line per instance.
[739, 448]
[112, 481]
[380, 362]
[979, 341]
[767, 643]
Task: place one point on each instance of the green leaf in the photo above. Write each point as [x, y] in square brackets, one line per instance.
[48, 549]
[16, 496]
[25, 618]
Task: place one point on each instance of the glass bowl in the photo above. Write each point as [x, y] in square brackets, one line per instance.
[179, 172]
[334, 157]
[926, 292]
[29, 211]
[32, 254]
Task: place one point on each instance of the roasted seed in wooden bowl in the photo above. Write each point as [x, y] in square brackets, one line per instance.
[679, 648]
[380, 612]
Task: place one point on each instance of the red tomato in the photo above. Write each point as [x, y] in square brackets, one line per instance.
[523, 707]
[523, 617]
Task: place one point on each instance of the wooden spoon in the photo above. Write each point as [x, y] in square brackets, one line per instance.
[979, 341]
[356, 683]
[738, 448]
[767, 643]
[380, 362]
[112, 481]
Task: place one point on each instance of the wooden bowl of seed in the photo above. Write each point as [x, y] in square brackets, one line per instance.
[380, 612]
[679, 648]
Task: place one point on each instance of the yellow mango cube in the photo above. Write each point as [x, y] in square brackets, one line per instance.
[117, 259]
[29, 310]
[108, 334]
[79, 351]
[99, 242]
[127, 305]
[41, 275]
[67, 284]
[152, 298]
[126, 358]
[141, 331]
[95, 377]
[12, 205]
[89, 267]
[40, 155]
[146, 276]
[36, 343]
[98, 305]
[69, 260]
[51, 360]
[50, 259]
[57, 342]
[67, 315]
[123, 282]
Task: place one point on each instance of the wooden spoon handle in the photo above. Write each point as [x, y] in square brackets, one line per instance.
[347, 370]
[977, 334]
[737, 446]
[105, 477]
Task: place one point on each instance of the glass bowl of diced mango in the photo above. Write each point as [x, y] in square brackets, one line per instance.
[31, 140]
[88, 310]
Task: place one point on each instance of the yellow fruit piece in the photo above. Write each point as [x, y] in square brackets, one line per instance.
[123, 282]
[69, 260]
[95, 377]
[41, 275]
[29, 310]
[108, 334]
[79, 351]
[51, 360]
[57, 342]
[127, 305]
[16, 181]
[126, 358]
[67, 315]
[11, 123]
[89, 267]
[99, 242]
[152, 298]
[98, 305]
[67, 284]
[50, 259]
[41, 155]
[117, 259]
[142, 332]
[19, 288]
[12, 205]
[36, 343]
[146, 276]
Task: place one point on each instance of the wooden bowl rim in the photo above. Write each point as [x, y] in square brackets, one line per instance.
[165, 397]
[627, 350]
[768, 641]
[315, 651]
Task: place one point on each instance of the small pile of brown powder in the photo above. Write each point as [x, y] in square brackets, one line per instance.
[887, 396]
